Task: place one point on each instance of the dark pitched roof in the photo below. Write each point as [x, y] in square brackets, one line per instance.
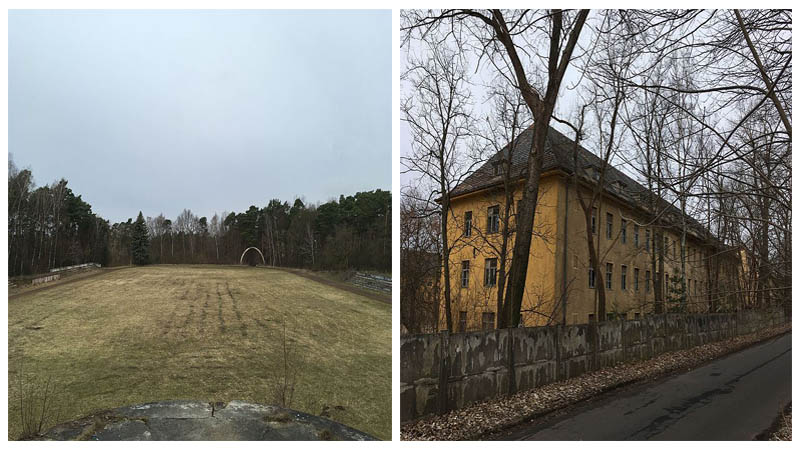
[559, 155]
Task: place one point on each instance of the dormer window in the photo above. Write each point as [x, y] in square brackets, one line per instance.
[498, 167]
[592, 171]
[619, 184]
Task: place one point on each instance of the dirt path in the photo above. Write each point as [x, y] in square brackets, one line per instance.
[67, 280]
[381, 297]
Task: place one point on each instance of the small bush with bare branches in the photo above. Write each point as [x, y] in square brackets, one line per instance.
[283, 384]
[38, 404]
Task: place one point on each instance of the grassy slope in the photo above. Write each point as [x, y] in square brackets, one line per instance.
[205, 333]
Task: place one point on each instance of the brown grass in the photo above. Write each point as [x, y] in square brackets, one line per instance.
[207, 333]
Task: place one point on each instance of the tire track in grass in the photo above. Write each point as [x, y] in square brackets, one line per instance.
[190, 301]
[204, 313]
[235, 303]
[219, 312]
[177, 304]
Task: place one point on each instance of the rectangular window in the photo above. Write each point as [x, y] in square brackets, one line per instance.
[468, 224]
[591, 277]
[609, 274]
[647, 281]
[487, 321]
[666, 282]
[647, 240]
[609, 225]
[490, 272]
[636, 236]
[637, 316]
[635, 279]
[623, 278]
[674, 249]
[464, 274]
[594, 220]
[591, 318]
[462, 321]
[609, 316]
[624, 230]
[493, 220]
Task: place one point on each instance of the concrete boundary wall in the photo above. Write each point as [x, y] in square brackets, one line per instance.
[41, 280]
[79, 266]
[441, 372]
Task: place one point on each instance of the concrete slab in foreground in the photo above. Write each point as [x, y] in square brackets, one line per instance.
[199, 421]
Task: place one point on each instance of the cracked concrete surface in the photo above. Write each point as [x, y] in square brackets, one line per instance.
[201, 421]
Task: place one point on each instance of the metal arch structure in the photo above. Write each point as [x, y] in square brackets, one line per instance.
[252, 248]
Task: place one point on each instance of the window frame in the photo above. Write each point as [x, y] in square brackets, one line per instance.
[623, 278]
[467, 223]
[623, 230]
[487, 320]
[465, 273]
[493, 219]
[490, 269]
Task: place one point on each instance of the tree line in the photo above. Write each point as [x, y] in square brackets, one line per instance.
[49, 226]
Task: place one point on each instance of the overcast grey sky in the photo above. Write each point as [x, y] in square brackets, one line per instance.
[209, 110]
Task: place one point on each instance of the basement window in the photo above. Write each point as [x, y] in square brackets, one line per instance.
[487, 321]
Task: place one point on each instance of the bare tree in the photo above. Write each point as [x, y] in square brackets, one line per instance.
[438, 115]
[503, 37]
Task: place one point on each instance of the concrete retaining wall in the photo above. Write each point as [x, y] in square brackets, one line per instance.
[41, 280]
[470, 367]
[79, 266]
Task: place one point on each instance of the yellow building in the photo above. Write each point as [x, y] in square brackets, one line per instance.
[560, 284]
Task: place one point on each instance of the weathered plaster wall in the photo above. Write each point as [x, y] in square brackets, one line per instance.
[471, 367]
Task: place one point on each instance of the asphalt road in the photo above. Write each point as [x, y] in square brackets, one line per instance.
[732, 398]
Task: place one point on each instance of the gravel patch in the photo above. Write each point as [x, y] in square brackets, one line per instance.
[480, 419]
[784, 431]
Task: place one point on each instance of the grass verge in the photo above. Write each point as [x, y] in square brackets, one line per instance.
[207, 333]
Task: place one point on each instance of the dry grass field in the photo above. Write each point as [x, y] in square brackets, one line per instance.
[204, 333]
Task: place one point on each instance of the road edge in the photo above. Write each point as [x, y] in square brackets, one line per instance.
[497, 434]
[744, 342]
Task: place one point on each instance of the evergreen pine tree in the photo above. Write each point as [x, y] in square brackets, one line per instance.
[140, 242]
[676, 297]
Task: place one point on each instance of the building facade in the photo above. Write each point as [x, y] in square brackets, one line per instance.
[636, 235]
